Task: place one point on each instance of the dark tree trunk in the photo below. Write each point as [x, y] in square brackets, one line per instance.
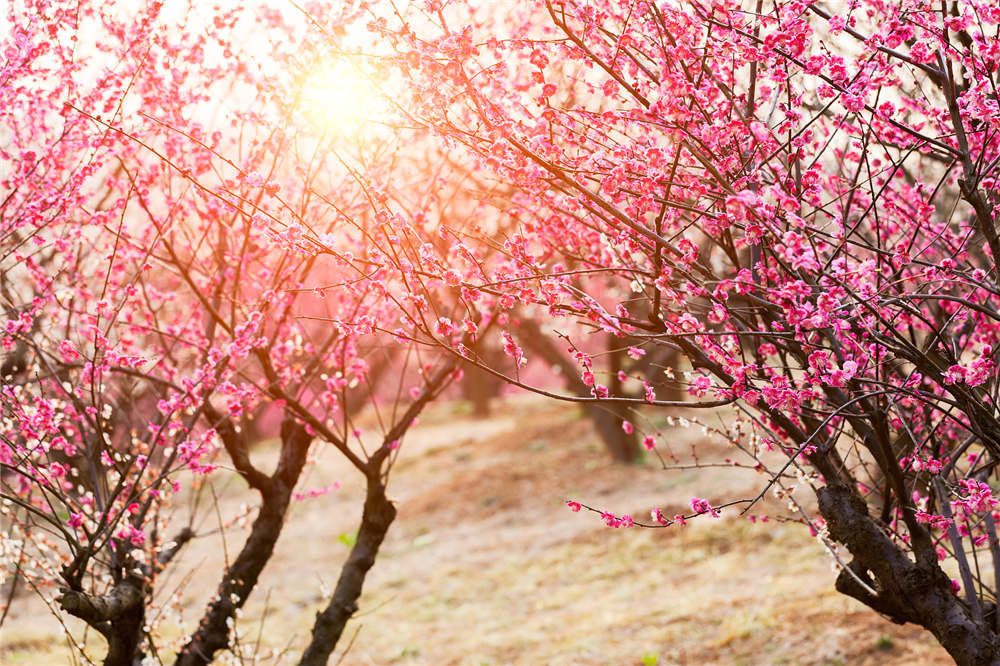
[118, 616]
[378, 515]
[904, 587]
[376, 518]
[241, 577]
[905, 591]
[126, 633]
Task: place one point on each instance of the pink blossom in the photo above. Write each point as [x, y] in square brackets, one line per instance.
[700, 506]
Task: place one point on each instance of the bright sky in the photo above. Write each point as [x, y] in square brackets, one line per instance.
[338, 98]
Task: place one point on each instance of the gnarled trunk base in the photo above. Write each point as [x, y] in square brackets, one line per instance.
[905, 591]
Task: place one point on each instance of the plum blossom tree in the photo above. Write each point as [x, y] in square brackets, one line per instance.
[183, 257]
[797, 197]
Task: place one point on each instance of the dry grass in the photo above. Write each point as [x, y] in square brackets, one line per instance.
[486, 566]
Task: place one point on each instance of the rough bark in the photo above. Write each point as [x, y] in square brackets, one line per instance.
[376, 518]
[241, 576]
[118, 616]
[906, 591]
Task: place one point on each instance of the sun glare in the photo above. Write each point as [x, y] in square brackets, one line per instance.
[338, 99]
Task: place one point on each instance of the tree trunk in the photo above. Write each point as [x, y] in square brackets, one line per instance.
[607, 416]
[126, 634]
[905, 591]
[607, 419]
[624, 446]
[479, 388]
[241, 577]
[378, 515]
[118, 616]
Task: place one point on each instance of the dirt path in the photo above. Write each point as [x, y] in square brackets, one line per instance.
[485, 565]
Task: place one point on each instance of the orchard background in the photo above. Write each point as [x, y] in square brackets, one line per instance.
[720, 276]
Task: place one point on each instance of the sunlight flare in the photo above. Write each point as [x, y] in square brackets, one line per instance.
[339, 98]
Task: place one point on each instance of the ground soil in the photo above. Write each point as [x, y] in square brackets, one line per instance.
[486, 566]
